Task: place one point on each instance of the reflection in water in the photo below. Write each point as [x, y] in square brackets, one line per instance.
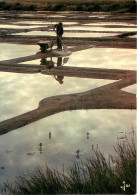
[109, 58]
[59, 78]
[48, 63]
[87, 135]
[70, 130]
[40, 148]
[77, 152]
[50, 135]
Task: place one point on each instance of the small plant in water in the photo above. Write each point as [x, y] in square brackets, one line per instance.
[97, 175]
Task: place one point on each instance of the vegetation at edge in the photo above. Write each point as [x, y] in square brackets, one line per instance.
[63, 5]
[97, 175]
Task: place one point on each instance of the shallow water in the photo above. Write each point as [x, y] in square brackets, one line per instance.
[102, 29]
[98, 16]
[43, 23]
[11, 51]
[109, 58]
[22, 92]
[111, 23]
[131, 89]
[66, 34]
[68, 134]
[42, 15]
[133, 36]
[17, 27]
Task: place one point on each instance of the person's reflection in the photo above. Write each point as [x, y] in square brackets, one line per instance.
[59, 78]
[48, 63]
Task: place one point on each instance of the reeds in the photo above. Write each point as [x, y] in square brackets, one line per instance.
[97, 175]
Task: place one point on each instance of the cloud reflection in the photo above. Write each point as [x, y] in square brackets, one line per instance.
[21, 93]
[69, 133]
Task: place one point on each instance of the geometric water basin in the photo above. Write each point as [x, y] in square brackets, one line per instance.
[17, 27]
[10, 51]
[43, 23]
[133, 36]
[108, 58]
[111, 23]
[66, 34]
[131, 89]
[21, 93]
[103, 29]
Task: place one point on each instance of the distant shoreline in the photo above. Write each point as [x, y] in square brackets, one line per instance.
[71, 5]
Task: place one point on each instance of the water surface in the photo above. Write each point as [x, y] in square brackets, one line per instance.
[68, 130]
[102, 29]
[109, 58]
[22, 92]
[11, 51]
[66, 34]
[17, 27]
[133, 36]
[110, 23]
[41, 22]
[131, 89]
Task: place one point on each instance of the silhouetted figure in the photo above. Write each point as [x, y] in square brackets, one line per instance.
[59, 31]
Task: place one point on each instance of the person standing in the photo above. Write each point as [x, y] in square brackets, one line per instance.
[59, 31]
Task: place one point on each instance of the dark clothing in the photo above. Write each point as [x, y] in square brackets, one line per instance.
[59, 29]
[59, 32]
[59, 43]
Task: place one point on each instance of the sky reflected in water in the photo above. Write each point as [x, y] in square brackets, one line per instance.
[131, 89]
[109, 58]
[17, 27]
[68, 134]
[11, 51]
[111, 23]
[66, 34]
[22, 92]
[91, 28]
[41, 22]
[20, 151]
